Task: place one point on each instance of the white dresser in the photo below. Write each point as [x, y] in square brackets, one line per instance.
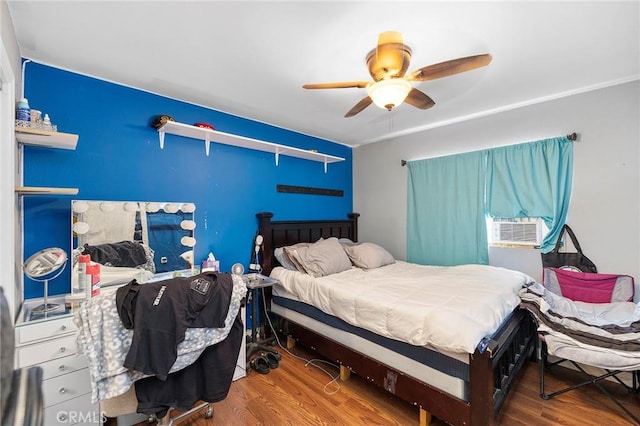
[51, 344]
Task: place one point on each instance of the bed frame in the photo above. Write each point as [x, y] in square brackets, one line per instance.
[491, 373]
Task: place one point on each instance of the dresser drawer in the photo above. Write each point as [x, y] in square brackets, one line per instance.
[76, 411]
[65, 387]
[46, 351]
[65, 365]
[44, 330]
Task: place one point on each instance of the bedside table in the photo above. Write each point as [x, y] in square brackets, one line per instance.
[255, 284]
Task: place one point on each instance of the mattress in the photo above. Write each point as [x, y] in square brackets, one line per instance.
[449, 308]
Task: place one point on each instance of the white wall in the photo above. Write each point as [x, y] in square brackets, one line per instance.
[605, 204]
[9, 42]
[10, 274]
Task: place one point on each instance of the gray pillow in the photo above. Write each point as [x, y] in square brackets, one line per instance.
[368, 255]
[284, 259]
[292, 254]
[323, 258]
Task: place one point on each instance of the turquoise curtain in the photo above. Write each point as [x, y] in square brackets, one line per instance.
[445, 213]
[450, 197]
[532, 180]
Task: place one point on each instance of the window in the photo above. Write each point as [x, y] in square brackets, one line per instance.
[524, 232]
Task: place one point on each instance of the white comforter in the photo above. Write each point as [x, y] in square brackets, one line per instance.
[451, 308]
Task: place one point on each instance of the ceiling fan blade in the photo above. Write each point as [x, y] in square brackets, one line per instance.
[447, 68]
[390, 58]
[364, 102]
[338, 85]
[419, 99]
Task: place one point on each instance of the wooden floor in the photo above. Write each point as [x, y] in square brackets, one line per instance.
[297, 394]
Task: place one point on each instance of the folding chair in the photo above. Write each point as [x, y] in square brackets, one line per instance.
[587, 288]
[545, 365]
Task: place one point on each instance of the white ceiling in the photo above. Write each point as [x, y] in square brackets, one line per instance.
[251, 58]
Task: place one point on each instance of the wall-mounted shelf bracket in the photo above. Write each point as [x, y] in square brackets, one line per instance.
[277, 155]
[161, 137]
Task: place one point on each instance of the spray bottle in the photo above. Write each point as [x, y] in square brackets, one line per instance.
[93, 270]
[82, 283]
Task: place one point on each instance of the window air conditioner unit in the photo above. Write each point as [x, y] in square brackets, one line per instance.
[519, 233]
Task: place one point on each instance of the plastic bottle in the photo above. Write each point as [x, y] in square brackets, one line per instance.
[46, 122]
[23, 112]
[83, 278]
[88, 278]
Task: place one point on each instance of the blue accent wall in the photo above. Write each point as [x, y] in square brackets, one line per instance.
[118, 157]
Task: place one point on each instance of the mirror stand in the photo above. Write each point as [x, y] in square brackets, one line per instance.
[44, 266]
[46, 306]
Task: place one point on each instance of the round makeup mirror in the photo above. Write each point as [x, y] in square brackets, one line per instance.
[237, 269]
[43, 266]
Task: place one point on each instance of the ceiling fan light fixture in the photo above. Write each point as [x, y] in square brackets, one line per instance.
[389, 93]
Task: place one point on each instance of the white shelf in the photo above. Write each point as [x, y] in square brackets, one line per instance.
[41, 190]
[208, 136]
[45, 138]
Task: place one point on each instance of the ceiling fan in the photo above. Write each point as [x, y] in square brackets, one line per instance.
[388, 64]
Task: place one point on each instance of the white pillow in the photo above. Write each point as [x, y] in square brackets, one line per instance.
[323, 258]
[368, 255]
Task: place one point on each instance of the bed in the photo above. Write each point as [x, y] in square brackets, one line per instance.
[458, 387]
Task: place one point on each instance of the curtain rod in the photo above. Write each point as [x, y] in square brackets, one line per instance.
[571, 136]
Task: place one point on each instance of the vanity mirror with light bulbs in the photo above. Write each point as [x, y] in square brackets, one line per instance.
[134, 240]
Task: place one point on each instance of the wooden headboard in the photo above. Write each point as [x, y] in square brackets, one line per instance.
[287, 232]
